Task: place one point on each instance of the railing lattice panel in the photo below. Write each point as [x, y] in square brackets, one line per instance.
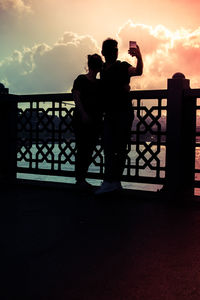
[46, 142]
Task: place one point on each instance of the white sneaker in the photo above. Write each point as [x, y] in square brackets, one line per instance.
[107, 187]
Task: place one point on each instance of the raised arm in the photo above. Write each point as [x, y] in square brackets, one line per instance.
[138, 70]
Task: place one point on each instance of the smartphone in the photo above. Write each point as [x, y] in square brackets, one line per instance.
[132, 44]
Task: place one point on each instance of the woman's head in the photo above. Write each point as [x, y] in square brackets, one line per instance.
[95, 62]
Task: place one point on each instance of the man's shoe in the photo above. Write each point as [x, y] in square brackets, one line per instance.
[118, 185]
[107, 187]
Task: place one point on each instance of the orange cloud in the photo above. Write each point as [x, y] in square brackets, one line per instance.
[164, 53]
[147, 37]
[44, 68]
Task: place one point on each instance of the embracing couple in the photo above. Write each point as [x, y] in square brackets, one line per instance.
[104, 106]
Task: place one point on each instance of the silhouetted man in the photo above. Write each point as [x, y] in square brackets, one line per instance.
[117, 105]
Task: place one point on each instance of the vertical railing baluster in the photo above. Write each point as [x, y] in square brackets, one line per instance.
[180, 154]
[8, 132]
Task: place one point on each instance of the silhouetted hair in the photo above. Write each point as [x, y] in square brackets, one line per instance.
[109, 47]
[94, 62]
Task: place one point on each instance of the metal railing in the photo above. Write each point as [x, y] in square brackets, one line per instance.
[46, 143]
[164, 148]
[193, 95]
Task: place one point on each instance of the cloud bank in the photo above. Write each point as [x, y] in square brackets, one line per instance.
[53, 68]
[164, 53]
[19, 6]
[47, 69]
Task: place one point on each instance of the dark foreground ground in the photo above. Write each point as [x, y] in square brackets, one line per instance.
[63, 244]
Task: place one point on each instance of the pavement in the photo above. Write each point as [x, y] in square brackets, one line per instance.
[58, 242]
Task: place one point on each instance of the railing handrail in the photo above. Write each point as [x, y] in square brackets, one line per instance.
[45, 97]
[194, 93]
[134, 94]
[148, 94]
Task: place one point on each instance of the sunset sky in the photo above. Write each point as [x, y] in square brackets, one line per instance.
[44, 43]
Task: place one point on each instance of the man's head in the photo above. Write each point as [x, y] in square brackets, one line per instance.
[110, 50]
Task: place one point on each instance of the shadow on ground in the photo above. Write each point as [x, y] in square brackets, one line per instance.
[61, 243]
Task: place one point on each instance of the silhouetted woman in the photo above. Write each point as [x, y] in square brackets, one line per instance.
[87, 117]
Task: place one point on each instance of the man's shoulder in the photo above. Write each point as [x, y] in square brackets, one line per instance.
[125, 64]
[122, 64]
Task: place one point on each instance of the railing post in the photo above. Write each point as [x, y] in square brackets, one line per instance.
[180, 151]
[8, 126]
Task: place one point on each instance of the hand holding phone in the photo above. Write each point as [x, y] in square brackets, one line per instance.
[134, 49]
[132, 45]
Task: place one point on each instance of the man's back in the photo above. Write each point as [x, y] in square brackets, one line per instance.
[115, 85]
